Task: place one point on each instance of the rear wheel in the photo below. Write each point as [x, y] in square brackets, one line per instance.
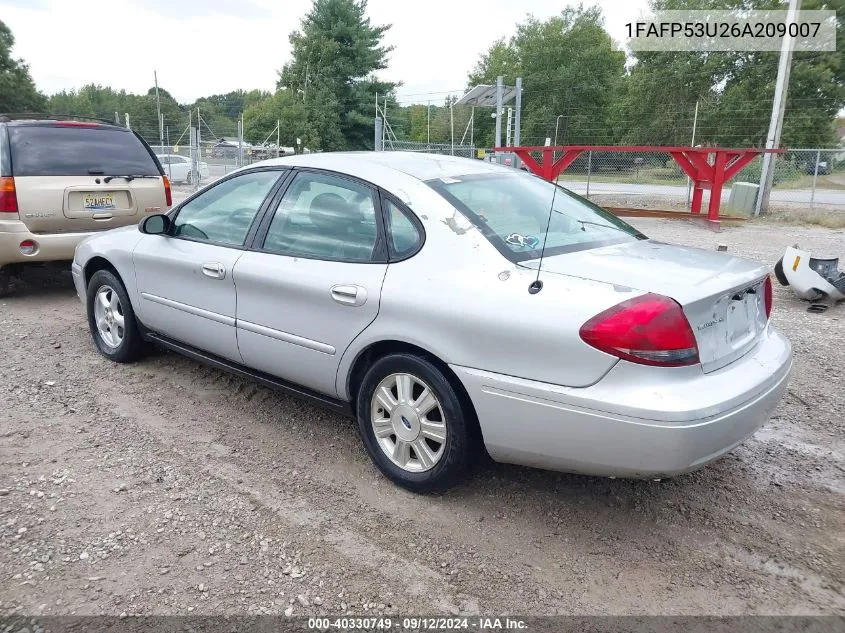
[111, 319]
[412, 423]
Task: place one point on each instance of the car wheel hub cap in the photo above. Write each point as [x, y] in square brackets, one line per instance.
[408, 422]
[108, 316]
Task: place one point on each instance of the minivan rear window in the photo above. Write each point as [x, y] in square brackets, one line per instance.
[53, 150]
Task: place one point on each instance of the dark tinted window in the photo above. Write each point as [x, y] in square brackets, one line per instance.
[44, 150]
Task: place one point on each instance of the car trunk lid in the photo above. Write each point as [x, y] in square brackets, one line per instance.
[721, 295]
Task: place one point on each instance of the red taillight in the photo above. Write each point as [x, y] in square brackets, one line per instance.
[767, 296]
[8, 197]
[168, 197]
[650, 330]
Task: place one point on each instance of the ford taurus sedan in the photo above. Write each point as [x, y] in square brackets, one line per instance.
[451, 306]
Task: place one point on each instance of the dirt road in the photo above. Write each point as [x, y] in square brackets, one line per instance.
[166, 487]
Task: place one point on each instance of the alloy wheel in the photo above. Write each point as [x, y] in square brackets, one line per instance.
[109, 317]
[408, 422]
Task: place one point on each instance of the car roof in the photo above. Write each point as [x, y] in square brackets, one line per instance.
[62, 123]
[416, 164]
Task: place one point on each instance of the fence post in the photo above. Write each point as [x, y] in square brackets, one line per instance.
[378, 142]
[815, 177]
[589, 169]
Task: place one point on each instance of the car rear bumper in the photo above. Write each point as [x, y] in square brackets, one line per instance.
[51, 247]
[637, 421]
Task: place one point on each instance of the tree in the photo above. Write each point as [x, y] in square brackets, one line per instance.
[569, 69]
[17, 90]
[284, 107]
[335, 55]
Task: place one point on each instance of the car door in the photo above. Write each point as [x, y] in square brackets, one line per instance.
[313, 280]
[184, 278]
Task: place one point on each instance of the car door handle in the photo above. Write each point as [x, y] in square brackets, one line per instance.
[349, 295]
[214, 270]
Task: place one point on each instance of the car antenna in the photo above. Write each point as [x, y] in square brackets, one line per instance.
[536, 286]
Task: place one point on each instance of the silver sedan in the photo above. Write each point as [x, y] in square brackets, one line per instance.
[451, 306]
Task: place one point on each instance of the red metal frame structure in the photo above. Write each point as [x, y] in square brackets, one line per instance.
[693, 160]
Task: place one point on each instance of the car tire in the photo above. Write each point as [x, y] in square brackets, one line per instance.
[435, 442]
[7, 284]
[188, 179]
[112, 322]
[779, 274]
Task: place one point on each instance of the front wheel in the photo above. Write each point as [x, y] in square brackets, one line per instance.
[111, 318]
[412, 423]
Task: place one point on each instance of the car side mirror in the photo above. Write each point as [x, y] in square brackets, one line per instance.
[155, 225]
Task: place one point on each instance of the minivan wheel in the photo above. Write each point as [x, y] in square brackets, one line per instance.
[412, 423]
[111, 318]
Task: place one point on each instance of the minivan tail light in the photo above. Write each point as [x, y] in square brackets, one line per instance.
[767, 296]
[650, 329]
[8, 197]
[168, 196]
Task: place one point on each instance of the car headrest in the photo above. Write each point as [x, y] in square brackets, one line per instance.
[331, 211]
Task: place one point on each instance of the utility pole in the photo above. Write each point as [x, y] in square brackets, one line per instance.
[158, 109]
[778, 107]
[518, 113]
[452, 122]
[500, 89]
[278, 131]
[428, 125]
[196, 165]
[692, 144]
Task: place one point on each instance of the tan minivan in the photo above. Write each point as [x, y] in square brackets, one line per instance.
[61, 180]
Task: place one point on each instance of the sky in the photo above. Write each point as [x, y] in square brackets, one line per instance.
[204, 47]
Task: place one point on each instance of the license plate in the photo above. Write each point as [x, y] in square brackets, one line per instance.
[98, 201]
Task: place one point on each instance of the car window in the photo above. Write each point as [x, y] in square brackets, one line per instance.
[514, 210]
[71, 150]
[324, 217]
[403, 235]
[224, 213]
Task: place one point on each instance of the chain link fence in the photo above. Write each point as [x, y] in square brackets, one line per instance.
[465, 151]
[803, 179]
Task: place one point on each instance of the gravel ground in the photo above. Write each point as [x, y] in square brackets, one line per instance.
[166, 487]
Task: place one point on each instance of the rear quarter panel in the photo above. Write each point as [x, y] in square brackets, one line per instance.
[461, 300]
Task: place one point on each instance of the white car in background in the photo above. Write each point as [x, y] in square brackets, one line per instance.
[178, 168]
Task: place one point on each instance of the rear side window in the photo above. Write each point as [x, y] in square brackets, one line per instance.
[45, 150]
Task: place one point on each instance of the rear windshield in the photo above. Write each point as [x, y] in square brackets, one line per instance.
[512, 210]
[48, 150]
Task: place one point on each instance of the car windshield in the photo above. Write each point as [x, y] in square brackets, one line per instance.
[512, 211]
